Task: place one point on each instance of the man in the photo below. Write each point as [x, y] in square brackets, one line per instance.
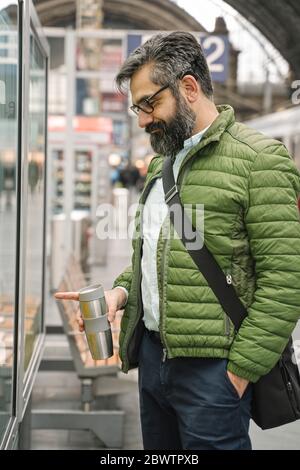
[195, 371]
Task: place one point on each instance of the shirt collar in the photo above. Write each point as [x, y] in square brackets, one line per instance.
[194, 139]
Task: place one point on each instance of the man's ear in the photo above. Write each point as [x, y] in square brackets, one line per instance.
[190, 88]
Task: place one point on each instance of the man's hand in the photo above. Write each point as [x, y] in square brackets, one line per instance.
[239, 383]
[115, 299]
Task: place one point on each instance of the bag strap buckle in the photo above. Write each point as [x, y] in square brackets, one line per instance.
[171, 193]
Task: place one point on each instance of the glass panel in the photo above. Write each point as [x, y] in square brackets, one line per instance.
[57, 54]
[88, 97]
[93, 53]
[112, 55]
[94, 96]
[88, 54]
[57, 79]
[8, 211]
[83, 180]
[113, 103]
[57, 94]
[296, 150]
[57, 180]
[35, 204]
[120, 136]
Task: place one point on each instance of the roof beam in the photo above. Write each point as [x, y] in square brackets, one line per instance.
[278, 21]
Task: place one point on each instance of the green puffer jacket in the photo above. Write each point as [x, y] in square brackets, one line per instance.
[249, 186]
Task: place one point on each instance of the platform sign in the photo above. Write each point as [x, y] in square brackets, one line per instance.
[215, 47]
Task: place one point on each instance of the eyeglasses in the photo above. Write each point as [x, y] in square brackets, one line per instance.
[145, 105]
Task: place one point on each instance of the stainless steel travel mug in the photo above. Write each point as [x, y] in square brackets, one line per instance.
[97, 327]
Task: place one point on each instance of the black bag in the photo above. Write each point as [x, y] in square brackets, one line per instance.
[276, 395]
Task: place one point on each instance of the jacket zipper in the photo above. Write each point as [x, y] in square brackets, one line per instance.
[289, 386]
[139, 300]
[227, 319]
[165, 352]
[227, 325]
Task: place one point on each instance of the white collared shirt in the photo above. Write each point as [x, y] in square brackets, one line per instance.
[154, 213]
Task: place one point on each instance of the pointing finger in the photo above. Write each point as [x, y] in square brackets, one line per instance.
[67, 295]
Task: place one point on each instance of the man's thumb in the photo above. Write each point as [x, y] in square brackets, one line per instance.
[111, 313]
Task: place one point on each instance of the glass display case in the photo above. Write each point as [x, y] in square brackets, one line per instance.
[9, 49]
[83, 162]
[58, 178]
[23, 110]
[35, 156]
[98, 94]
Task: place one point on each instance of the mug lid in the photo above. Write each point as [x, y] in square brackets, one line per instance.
[93, 292]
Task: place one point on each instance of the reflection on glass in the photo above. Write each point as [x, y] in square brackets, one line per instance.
[83, 180]
[8, 161]
[35, 204]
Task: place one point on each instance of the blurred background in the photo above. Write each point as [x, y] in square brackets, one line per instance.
[70, 150]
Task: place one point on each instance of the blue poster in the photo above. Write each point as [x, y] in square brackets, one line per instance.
[215, 48]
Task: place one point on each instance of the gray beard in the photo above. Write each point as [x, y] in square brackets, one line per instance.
[170, 139]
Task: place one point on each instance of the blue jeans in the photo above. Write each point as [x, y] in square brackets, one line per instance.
[190, 403]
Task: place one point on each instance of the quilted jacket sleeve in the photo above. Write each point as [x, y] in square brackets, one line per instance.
[124, 279]
[272, 222]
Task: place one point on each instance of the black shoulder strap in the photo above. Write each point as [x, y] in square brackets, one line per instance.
[207, 265]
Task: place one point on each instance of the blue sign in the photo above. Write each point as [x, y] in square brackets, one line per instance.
[133, 41]
[215, 48]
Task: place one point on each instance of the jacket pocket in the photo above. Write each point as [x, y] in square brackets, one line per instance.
[227, 325]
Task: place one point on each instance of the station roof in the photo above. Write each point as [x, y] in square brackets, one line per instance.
[279, 22]
[120, 14]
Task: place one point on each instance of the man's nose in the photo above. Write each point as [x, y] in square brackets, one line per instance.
[144, 119]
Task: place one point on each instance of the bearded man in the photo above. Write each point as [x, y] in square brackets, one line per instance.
[195, 370]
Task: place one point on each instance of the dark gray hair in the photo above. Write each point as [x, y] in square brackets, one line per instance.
[172, 55]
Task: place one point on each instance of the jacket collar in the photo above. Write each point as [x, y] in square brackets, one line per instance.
[224, 120]
[218, 127]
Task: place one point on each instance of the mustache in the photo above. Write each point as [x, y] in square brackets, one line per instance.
[155, 126]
